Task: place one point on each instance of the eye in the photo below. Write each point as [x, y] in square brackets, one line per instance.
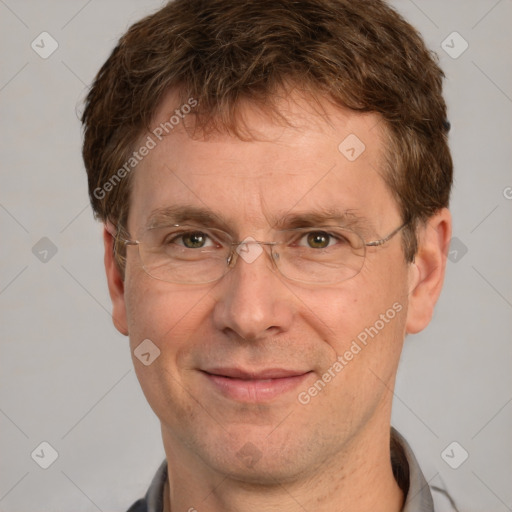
[317, 240]
[191, 240]
[338, 239]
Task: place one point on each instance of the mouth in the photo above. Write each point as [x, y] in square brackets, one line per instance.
[254, 386]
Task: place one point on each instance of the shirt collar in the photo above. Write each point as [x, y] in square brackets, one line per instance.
[409, 476]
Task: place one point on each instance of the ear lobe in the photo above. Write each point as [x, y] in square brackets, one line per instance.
[428, 269]
[115, 281]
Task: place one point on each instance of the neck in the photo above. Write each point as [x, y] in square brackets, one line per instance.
[358, 477]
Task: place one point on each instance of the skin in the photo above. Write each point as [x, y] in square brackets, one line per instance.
[332, 453]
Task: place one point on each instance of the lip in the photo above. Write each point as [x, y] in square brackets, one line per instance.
[254, 386]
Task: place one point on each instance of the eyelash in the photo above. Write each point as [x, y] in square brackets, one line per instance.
[303, 235]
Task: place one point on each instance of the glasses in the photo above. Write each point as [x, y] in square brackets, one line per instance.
[191, 254]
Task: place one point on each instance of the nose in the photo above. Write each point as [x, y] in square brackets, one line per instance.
[252, 301]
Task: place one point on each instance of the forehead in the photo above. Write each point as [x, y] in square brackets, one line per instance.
[320, 160]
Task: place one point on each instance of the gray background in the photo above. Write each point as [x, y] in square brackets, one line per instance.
[66, 374]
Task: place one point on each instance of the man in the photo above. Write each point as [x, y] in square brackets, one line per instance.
[274, 179]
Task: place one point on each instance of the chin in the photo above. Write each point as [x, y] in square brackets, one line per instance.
[249, 455]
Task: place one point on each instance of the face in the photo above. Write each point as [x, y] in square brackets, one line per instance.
[258, 375]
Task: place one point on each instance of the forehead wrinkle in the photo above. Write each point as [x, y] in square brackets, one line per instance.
[255, 208]
[315, 217]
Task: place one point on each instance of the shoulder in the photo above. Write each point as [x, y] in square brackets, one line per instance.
[443, 502]
[139, 506]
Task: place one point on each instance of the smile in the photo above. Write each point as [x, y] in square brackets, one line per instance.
[262, 386]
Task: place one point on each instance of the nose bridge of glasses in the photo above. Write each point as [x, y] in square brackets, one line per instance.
[249, 250]
[250, 240]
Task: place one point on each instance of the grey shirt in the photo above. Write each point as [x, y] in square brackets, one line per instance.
[419, 496]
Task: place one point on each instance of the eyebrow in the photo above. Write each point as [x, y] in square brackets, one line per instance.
[182, 214]
[348, 219]
[310, 218]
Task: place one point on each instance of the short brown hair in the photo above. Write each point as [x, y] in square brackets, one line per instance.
[360, 54]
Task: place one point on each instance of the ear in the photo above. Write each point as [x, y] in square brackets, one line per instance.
[427, 271]
[115, 282]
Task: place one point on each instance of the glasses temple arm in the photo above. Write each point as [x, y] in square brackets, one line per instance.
[376, 243]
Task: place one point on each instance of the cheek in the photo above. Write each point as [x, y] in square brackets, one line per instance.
[174, 320]
[164, 313]
[363, 328]
[364, 317]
